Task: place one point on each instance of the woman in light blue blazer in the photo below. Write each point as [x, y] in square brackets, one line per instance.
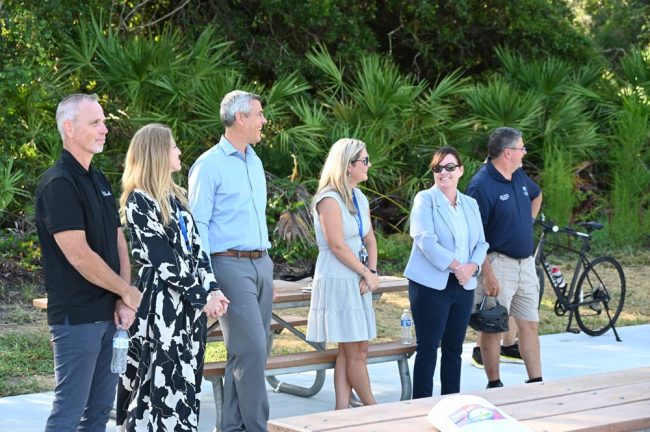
[448, 248]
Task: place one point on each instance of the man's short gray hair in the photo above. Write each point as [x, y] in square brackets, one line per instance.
[69, 108]
[502, 138]
[236, 101]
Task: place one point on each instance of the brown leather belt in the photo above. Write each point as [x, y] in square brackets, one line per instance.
[241, 254]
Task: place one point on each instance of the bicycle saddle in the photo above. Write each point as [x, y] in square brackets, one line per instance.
[590, 226]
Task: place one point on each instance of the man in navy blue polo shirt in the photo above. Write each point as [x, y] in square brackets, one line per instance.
[509, 202]
[87, 270]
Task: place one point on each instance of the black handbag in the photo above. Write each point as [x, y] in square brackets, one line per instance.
[492, 320]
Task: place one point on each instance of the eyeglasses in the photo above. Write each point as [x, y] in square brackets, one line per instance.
[518, 148]
[365, 160]
[449, 168]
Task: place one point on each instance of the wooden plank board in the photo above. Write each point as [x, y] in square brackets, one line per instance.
[535, 393]
[633, 416]
[579, 401]
[628, 417]
[285, 361]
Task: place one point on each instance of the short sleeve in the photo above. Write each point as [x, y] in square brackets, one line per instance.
[61, 206]
[533, 189]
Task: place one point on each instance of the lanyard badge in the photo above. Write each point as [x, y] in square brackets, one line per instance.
[363, 252]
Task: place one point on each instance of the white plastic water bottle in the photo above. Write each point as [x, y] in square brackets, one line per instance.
[407, 325]
[557, 277]
[120, 349]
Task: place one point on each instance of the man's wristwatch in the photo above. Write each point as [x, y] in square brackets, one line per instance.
[373, 271]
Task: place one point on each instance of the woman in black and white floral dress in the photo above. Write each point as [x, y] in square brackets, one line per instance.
[159, 390]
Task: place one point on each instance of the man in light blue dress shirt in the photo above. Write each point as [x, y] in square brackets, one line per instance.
[227, 195]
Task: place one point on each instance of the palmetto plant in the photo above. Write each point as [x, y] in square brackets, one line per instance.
[9, 184]
[401, 121]
[549, 100]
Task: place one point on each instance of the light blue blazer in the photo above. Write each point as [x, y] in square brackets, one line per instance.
[433, 238]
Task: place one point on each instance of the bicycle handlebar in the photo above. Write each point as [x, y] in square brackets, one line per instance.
[550, 227]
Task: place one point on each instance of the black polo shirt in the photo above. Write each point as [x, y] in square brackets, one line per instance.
[69, 197]
[505, 207]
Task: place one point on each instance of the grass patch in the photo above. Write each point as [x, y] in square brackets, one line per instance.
[26, 364]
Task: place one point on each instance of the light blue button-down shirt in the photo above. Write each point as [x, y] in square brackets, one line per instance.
[458, 223]
[227, 196]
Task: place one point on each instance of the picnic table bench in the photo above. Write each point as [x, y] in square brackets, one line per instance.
[615, 402]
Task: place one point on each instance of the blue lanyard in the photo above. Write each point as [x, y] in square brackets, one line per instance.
[358, 219]
[181, 221]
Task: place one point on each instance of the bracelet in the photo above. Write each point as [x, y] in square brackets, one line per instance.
[373, 271]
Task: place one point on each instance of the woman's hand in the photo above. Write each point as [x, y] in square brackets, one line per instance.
[371, 279]
[465, 272]
[217, 306]
[363, 286]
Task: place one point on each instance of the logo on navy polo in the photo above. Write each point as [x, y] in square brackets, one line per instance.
[106, 193]
[504, 197]
[523, 188]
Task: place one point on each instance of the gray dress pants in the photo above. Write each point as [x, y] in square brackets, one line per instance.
[248, 284]
[85, 385]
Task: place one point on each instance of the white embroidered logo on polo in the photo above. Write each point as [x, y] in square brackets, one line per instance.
[504, 197]
[106, 193]
[525, 190]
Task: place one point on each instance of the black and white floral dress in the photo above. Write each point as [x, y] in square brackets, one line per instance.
[159, 390]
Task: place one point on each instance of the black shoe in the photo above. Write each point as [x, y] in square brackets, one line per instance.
[494, 384]
[477, 360]
[511, 354]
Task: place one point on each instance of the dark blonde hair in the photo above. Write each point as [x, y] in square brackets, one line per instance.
[335, 170]
[147, 167]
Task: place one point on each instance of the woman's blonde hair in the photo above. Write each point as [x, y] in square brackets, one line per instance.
[147, 167]
[335, 171]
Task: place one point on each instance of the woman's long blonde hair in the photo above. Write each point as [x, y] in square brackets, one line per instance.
[147, 167]
[335, 170]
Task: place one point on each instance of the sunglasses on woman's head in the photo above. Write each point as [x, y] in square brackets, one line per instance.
[365, 160]
[449, 168]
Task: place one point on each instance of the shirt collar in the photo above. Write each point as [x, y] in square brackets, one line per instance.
[228, 149]
[68, 161]
[494, 173]
[442, 198]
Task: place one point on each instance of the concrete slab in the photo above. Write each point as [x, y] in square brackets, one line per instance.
[563, 355]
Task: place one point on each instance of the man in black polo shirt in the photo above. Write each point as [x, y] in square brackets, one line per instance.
[509, 202]
[87, 270]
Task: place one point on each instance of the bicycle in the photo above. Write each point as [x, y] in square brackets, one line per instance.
[597, 286]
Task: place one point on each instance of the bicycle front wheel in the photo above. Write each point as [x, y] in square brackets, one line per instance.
[601, 289]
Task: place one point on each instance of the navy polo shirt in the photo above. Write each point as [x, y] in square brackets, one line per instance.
[69, 197]
[505, 207]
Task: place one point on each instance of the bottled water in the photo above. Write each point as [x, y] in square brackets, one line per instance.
[557, 277]
[407, 327]
[120, 349]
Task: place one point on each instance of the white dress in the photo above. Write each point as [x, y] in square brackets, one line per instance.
[338, 312]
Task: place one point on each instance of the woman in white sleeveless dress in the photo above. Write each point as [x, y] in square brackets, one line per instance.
[346, 269]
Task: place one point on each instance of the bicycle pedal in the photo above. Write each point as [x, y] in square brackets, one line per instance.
[573, 330]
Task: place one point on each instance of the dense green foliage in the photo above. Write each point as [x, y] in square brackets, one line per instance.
[405, 77]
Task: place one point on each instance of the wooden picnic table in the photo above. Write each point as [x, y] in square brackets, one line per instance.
[294, 294]
[614, 402]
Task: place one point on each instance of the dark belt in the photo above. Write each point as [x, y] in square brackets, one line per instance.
[241, 254]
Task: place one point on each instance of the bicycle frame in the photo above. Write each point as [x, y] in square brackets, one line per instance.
[564, 303]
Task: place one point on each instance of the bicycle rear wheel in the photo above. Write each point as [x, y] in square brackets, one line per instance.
[601, 287]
